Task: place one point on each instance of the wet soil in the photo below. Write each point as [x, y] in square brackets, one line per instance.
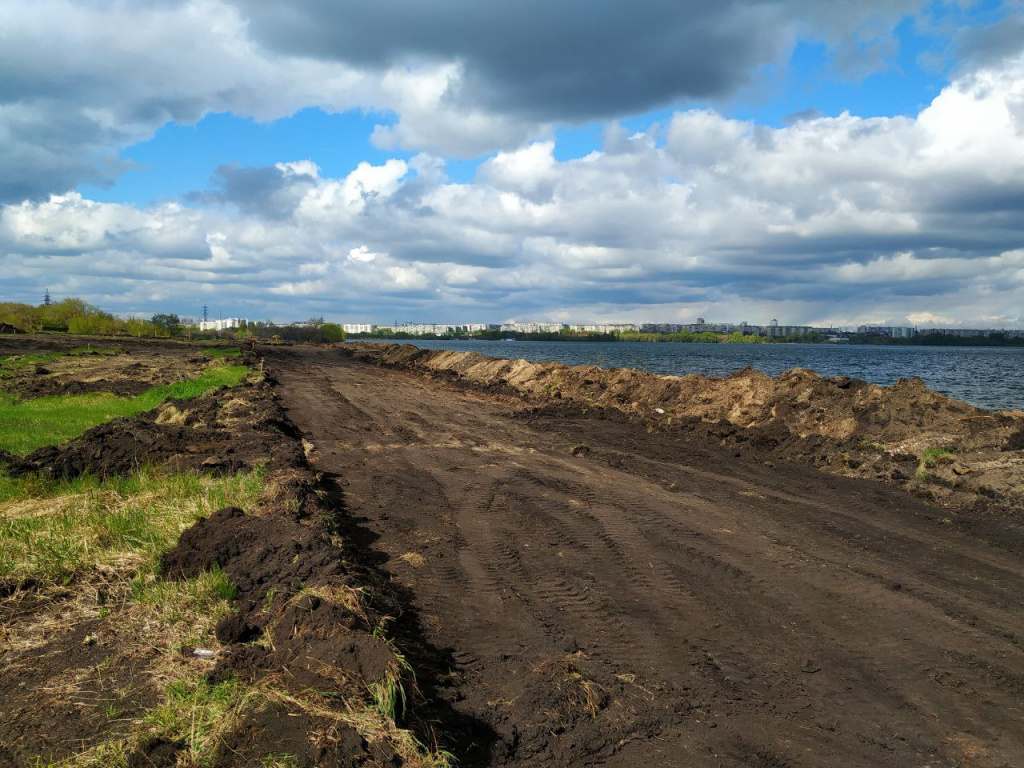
[612, 593]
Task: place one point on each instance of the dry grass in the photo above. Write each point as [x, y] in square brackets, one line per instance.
[57, 532]
[146, 630]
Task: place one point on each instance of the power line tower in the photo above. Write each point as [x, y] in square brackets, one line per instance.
[206, 311]
[46, 298]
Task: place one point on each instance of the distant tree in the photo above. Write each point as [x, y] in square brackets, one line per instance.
[24, 317]
[316, 322]
[58, 315]
[169, 324]
[332, 332]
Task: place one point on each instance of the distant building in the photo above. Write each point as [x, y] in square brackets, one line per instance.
[357, 328]
[660, 327]
[604, 328]
[226, 324]
[532, 327]
[782, 331]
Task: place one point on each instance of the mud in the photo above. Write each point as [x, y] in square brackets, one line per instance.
[616, 594]
[843, 425]
[271, 561]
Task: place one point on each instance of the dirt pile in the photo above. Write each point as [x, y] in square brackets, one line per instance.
[311, 625]
[845, 425]
[223, 431]
[295, 591]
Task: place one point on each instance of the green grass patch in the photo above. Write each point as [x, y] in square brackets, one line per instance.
[218, 352]
[53, 532]
[31, 424]
[195, 712]
[933, 456]
[929, 459]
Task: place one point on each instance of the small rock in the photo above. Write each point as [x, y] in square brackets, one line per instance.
[810, 667]
[961, 469]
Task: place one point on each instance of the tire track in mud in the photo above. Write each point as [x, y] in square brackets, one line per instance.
[658, 602]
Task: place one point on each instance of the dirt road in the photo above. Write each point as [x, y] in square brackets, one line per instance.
[601, 595]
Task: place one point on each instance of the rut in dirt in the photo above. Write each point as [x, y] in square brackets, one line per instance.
[613, 596]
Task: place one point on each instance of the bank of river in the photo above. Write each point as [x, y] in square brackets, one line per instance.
[988, 377]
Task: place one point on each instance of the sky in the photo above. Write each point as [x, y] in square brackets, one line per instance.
[857, 161]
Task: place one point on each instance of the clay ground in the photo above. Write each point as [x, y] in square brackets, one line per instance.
[605, 595]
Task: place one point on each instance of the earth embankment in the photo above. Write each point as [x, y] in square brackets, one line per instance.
[614, 590]
[945, 449]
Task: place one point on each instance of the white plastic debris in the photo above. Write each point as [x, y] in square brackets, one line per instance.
[203, 653]
[659, 410]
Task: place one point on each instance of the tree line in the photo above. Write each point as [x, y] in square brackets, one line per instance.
[73, 315]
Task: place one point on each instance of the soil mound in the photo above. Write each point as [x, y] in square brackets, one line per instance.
[845, 425]
[277, 565]
[223, 431]
[7, 328]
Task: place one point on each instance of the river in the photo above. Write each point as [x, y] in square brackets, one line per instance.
[989, 377]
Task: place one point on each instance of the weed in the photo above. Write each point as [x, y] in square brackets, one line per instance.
[16, 362]
[107, 755]
[874, 445]
[274, 760]
[933, 456]
[370, 724]
[929, 459]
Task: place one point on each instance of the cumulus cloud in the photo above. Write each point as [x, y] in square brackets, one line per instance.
[81, 81]
[829, 219]
[566, 61]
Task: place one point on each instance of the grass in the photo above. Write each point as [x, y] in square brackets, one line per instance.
[54, 531]
[929, 459]
[31, 424]
[14, 362]
[197, 713]
[218, 352]
[108, 536]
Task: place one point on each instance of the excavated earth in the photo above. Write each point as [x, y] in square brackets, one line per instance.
[590, 567]
[296, 624]
[843, 425]
[124, 367]
[618, 591]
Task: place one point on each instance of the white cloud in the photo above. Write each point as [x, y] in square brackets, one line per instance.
[830, 219]
[81, 81]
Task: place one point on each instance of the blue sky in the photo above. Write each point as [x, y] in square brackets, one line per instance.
[638, 163]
